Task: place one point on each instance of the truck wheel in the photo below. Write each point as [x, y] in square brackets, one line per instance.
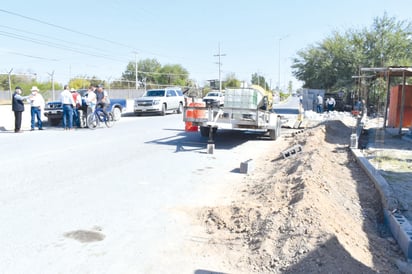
[82, 119]
[117, 114]
[163, 111]
[204, 131]
[279, 126]
[275, 133]
[180, 108]
[54, 121]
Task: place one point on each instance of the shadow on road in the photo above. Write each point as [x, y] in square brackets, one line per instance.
[193, 141]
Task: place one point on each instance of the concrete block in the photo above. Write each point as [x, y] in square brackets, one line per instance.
[401, 230]
[293, 151]
[246, 166]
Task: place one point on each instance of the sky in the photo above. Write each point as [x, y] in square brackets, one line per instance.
[67, 39]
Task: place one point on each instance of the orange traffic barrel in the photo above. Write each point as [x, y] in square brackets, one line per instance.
[189, 125]
[198, 113]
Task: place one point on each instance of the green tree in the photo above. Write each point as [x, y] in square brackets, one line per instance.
[79, 82]
[260, 81]
[331, 63]
[24, 81]
[231, 81]
[147, 71]
[172, 75]
[290, 87]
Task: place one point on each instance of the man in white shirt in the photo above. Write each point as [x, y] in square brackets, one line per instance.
[319, 106]
[91, 98]
[37, 104]
[330, 103]
[68, 104]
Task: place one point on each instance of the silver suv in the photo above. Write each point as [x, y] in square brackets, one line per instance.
[160, 101]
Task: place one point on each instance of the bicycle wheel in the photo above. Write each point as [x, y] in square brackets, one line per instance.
[92, 121]
[109, 120]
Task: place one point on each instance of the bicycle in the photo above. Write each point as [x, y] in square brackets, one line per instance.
[98, 116]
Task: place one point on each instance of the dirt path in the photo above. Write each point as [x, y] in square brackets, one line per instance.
[316, 212]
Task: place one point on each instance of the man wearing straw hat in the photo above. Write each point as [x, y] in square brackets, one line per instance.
[37, 104]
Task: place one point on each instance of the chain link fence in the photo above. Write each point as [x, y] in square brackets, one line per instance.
[49, 95]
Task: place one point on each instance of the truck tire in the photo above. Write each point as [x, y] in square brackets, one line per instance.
[204, 131]
[275, 133]
[117, 114]
[82, 118]
[279, 126]
[54, 121]
[163, 111]
[180, 108]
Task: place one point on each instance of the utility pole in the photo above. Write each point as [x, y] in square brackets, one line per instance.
[135, 67]
[220, 65]
[9, 73]
[52, 81]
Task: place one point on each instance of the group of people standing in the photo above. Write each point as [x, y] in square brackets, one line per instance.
[330, 104]
[71, 102]
[36, 101]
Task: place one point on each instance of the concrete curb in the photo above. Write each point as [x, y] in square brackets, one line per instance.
[399, 226]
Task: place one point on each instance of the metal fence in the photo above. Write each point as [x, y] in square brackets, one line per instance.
[5, 95]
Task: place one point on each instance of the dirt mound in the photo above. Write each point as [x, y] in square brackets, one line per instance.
[315, 212]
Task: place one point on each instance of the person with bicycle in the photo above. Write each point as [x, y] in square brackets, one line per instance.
[102, 99]
[99, 114]
[91, 98]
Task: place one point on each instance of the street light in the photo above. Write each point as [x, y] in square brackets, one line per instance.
[280, 39]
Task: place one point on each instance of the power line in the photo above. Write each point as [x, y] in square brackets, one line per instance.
[52, 38]
[66, 29]
[65, 45]
[55, 45]
[79, 32]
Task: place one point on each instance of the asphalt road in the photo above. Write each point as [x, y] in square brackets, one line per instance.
[111, 200]
[288, 107]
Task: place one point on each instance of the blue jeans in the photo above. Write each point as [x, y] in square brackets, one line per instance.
[319, 109]
[35, 113]
[76, 118]
[67, 116]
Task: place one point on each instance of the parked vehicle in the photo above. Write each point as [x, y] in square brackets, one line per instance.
[54, 110]
[215, 98]
[160, 101]
[245, 109]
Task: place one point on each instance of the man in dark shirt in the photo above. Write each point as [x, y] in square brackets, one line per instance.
[102, 99]
[18, 108]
